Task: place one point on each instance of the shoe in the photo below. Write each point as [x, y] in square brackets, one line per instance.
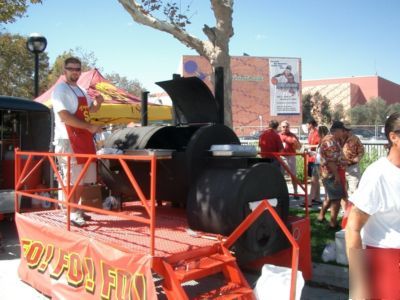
[316, 201]
[77, 220]
[84, 215]
[321, 221]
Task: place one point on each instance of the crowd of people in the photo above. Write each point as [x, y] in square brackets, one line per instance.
[372, 200]
[333, 158]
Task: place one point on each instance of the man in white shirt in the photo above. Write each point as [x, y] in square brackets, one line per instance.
[73, 132]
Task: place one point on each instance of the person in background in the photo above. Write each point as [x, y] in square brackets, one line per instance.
[353, 152]
[291, 144]
[269, 141]
[332, 173]
[73, 132]
[313, 141]
[322, 132]
[374, 222]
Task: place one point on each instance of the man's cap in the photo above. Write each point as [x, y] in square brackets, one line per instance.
[338, 125]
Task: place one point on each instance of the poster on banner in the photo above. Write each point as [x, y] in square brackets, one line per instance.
[285, 86]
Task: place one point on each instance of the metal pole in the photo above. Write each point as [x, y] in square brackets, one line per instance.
[36, 78]
[219, 92]
[144, 109]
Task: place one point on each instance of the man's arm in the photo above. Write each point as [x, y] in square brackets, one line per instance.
[71, 120]
[98, 100]
[358, 283]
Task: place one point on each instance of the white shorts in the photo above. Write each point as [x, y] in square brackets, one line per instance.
[90, 177]
[291, 163]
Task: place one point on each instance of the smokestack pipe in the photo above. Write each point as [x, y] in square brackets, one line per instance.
[174, 112]
[219, 92]
[144, 109]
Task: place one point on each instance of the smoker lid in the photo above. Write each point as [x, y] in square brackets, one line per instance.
[192, 99]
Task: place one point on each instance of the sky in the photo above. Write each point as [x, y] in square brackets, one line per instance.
[333, 39]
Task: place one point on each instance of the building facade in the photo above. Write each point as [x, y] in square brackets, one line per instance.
[352, 91]
[263, 88]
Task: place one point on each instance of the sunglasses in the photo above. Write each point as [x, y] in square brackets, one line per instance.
[73, 69]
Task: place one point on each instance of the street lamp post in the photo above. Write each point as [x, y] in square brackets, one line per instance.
[36, 44]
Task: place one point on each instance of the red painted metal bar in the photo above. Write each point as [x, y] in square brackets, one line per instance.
[68, 198]
[153, 176]
[90, 208]
[16, 177]
[250, 219]
[24, 169]
[303, 184]
[59, 179]
[93, 156]
[136, 186]
[80, 176]
[305, 176]
[69, 190]
[35, 167]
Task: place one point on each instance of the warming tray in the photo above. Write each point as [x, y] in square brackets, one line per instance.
[162, 153]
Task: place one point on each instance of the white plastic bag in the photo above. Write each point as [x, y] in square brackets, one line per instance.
[274, 283]
[329, 253]
[111, 203]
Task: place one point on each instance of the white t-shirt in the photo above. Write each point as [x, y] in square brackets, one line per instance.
[64, 98]
[378, 194]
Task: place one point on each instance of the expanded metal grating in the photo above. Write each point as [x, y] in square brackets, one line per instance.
[172, 234]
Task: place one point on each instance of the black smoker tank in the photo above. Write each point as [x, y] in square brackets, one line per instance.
[216, 191]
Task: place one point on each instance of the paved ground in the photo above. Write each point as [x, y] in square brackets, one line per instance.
[328, 283]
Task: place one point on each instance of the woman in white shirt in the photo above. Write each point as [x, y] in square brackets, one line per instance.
[374, 222]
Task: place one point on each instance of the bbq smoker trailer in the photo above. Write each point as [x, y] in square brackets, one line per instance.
[193, 198]
[215, 187]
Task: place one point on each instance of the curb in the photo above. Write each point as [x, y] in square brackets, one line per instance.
[333, 276]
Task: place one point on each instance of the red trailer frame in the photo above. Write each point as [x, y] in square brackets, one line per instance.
[196, 256]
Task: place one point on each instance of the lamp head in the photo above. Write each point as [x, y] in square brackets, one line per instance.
[36, 43]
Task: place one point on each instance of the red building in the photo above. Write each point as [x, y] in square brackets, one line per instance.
[352, 91]
[263, 88]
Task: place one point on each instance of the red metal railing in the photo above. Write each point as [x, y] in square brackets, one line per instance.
[32, 164]
[302, 184]
[250, 219]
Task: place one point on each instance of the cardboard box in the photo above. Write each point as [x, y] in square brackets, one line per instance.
[91, 196]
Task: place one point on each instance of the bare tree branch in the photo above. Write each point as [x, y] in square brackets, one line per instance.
[215, 49]
[140, 16]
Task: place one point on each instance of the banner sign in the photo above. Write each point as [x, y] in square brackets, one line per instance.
[285, 86]
[72, 266]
